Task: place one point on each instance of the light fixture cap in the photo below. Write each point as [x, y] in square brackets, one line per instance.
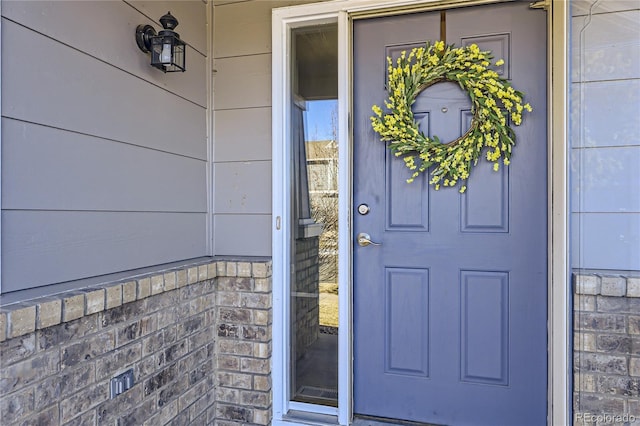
[168, 21]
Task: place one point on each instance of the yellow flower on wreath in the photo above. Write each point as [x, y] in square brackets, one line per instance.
[493, 100]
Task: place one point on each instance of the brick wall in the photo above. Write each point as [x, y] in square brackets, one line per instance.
[606, 348]
[307, 286]
[244, 346]
[198, 339]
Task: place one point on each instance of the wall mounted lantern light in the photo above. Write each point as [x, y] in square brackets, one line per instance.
[167, 50]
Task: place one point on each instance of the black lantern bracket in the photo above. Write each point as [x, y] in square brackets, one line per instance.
[168, 51]
[143, 37]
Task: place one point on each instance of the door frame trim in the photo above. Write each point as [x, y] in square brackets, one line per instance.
[0, 148]
[559, 400]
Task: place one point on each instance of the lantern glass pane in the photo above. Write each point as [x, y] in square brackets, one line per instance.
[168, 53]
[179, 56]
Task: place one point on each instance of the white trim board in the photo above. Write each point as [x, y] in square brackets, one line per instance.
[1, 146]
[210, 130]
[559, 310]
[344, 11]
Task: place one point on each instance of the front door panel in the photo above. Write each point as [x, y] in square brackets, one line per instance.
[450, 311]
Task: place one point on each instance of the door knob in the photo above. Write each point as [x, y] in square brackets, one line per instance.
[364, 240]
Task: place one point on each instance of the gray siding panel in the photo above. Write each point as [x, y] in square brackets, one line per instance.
[609, 180]
[115, 29]
[610, 50]
[54, 169]
[250, 144]
[232, 42]
[582, 7]
[49, 83]
[606, 241]
[605, 135]
[247, 235]
[243, 187]
[243, 82]
[601, 124]
[41, 248]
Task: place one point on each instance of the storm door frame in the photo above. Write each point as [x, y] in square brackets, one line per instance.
[287, 412]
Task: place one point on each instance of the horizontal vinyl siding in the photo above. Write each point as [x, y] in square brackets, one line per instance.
[245, 190]
[58, 86]
[606, 241]
[605, 135]
[603, 124]
[69, 245]
[104, 30]
[609, 180]
[242, 122]
[243, 82]
[104, 165]
[229, 22]
[61, 170]
[249, 234]
[247, 143]
[582, 7]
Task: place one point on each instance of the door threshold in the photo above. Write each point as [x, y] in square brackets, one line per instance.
[359, 420]
[294, 417]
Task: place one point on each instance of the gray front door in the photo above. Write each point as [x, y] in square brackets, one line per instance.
[450, 310]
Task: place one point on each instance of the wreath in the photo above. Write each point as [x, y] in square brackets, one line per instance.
[493, 101]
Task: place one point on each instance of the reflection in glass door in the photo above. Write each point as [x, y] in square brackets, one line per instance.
[314, 257]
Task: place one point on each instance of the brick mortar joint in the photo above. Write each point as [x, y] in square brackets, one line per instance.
[21, 318]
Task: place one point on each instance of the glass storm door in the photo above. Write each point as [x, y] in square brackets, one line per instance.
[450, 310]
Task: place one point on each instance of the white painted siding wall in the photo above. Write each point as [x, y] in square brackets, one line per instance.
[242, 120]
[606, 134]
[104, 158]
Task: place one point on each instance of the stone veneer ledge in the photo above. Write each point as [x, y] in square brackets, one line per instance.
[21, 318]
[595, 284]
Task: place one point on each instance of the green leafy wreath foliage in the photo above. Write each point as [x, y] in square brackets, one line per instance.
[493, 101]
